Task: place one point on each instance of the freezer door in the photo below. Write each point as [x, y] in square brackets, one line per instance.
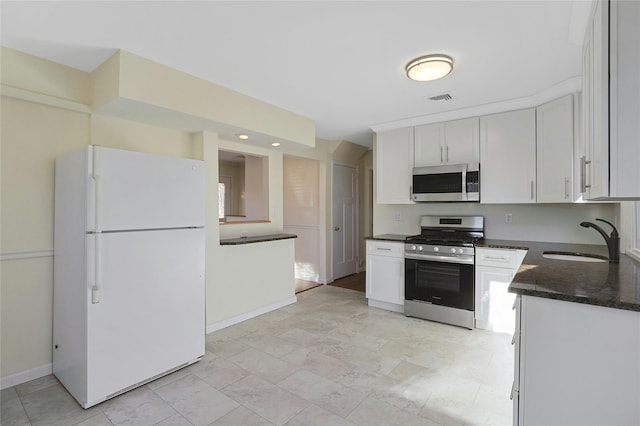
[133, 190]
[150, 317]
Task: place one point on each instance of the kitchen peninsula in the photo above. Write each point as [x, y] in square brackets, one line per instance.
[577, 338]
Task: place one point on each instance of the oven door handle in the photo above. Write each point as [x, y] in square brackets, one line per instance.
[447, 259]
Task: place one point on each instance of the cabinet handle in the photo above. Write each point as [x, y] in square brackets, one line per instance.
[532, 190]
[384, 249]
[441, 154]
[446, 157]
[583, 174]
[496, 257]
[566, 188]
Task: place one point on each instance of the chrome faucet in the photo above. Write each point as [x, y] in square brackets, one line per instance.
[613, 240]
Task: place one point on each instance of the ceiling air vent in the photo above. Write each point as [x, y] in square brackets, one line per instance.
[443, 97]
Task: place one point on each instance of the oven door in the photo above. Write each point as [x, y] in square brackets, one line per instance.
[440, 283]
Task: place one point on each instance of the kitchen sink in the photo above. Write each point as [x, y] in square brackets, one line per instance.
[574, 257]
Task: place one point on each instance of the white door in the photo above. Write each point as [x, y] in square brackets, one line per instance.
[133, 190]
[151, 313]
[345, 179]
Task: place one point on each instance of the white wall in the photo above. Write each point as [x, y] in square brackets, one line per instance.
[538, 222]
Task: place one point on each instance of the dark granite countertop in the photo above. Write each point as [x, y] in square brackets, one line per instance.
[389, 237]
[604, 284]
[256, 239]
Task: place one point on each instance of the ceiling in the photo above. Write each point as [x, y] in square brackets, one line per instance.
[338, 63]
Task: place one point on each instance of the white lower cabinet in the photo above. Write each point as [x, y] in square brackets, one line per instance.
[576, 364]
[385, 275]
[495, 268]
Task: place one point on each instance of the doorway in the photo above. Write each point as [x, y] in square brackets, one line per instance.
[345, 219]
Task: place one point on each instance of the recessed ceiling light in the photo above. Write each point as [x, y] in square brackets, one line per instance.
[275, 143]
[429, 67]
[242, 136]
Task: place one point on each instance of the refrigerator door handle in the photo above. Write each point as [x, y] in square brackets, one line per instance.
[95, 290]
[98, 188]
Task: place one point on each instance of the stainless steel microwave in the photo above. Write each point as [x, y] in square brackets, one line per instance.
[450, 183]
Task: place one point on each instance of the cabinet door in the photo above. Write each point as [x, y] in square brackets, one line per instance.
[554, 144]
[508, 157]
[462, 141]
[385, 279]
[429, 145]
[394, 162]
[493, 305]
[587, 111]
[565, 348]
[624, 94]
[599, 143]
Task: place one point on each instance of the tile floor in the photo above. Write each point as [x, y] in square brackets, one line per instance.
[327, 360]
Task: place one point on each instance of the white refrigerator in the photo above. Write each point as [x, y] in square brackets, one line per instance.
[129, 292]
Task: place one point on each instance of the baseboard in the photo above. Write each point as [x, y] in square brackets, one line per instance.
[251, 314]
[386, 305]
[25, 376]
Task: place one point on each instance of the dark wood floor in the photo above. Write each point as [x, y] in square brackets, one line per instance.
[352, 282]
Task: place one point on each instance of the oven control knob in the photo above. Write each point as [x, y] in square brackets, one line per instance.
[453, 250]
[413, 248]
[436, 249]
[420, 248]
[460, 250]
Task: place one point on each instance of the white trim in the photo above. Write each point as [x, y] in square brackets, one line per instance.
[25, 376]
[41, 98]
[251, 314]
[572, 85]
[26, 254]
[386, 305]
[634, 253]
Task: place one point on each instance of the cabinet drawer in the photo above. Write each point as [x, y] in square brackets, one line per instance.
[385, 248]
[499, 258]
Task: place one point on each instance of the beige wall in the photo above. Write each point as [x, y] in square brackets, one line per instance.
[236, 172]
[32, 135]
[129, 84]
[42, 119]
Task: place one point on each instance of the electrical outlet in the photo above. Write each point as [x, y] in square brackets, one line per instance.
[397, 216]
[243, 234]
[508, 218]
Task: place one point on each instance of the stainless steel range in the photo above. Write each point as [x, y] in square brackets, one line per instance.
[439, 269]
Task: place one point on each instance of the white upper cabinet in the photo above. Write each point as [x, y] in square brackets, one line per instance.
[452, 142]
[611, 102]
[508, 157]
[555, 137]
[394, 163]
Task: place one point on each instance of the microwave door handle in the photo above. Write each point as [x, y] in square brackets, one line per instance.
[464, 182]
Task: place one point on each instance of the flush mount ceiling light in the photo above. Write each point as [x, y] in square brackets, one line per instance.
[275, 143]
[242, 136]
[429, 67]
